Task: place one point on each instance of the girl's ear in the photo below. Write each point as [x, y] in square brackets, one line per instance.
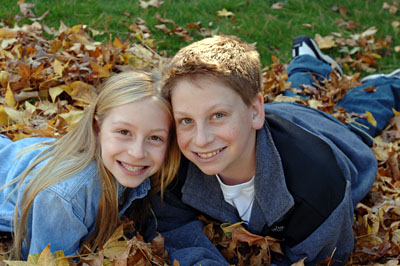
[258, 112]
[96, 126]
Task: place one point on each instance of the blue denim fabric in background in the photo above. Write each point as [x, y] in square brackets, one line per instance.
[63, 214]
[379, 102]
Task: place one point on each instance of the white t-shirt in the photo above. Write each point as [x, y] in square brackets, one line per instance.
[240, 196]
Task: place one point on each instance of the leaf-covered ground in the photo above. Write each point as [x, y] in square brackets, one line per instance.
[46, 83]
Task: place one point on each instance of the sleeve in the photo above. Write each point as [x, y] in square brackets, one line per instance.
[182, 231]
[54, 221]
[189, 246]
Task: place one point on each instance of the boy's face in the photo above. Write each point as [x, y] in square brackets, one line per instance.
[216, 130]
[134, 140]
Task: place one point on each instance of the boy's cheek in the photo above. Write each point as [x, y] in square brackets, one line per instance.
[182, 139]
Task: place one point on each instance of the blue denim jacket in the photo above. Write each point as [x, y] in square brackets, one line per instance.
[63, 214]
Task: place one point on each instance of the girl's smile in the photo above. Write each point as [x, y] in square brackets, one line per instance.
[133, 142]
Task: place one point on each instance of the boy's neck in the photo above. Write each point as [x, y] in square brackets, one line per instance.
[235, 181]
[244, 168]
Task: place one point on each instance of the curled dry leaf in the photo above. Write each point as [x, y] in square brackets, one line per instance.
[277, 5]
[153, 3]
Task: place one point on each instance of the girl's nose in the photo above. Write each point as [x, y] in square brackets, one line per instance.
[136, 149]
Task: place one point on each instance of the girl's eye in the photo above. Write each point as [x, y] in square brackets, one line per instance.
[124, 132]
[218, 115]
[186, 121]
[155, 138]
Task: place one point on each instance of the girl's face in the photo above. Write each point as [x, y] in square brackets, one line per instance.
[134, 139]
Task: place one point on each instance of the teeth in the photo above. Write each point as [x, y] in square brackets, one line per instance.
[132, 168]
[208, 154]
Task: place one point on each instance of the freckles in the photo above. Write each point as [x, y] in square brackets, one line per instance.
[230, 133]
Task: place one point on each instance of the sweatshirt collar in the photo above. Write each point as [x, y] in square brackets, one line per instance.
[272, 198]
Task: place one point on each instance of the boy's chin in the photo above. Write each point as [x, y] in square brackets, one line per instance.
[207, 170]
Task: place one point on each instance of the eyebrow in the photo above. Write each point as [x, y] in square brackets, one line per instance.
[211, 108]
[133, 125]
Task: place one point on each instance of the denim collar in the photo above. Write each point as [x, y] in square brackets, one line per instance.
[127, 195]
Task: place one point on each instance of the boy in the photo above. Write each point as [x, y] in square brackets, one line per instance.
[287, 171]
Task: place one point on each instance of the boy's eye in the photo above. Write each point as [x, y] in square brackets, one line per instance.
[186, 121]
[218, 115]
[124, 132]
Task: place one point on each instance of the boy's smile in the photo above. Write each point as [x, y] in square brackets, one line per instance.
[216, 130]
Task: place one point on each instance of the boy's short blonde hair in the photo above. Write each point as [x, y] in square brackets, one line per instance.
[226, 58]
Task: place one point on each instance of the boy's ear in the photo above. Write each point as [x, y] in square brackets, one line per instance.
[258, 112]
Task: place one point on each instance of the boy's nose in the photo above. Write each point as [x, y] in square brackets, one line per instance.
[203, 136]
[136, 149]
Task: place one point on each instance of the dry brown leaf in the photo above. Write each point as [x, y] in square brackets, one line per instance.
[277, 5]
[153, 3]
[324, 42]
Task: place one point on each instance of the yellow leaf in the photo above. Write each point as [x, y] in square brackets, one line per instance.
[396, 113]
[46, 258]
[114, 248]
[300, 262]
[30, 107]
[58, 68]
[369, 32]
[117, 43]
[3, 116]
[324, 42]
[10, 101]
[54, 92]
[375, 55]
[7, 33]
[75, 29]
[102, 71]
[4, 76]
[17, 116]
[118, 233]
[17, 263]
[61, 260]
[228, 228]
[224, 13]
[80, 91]
[47, 107]
[72, 118]
[371, 118]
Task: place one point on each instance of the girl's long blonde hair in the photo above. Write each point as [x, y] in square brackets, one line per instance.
[74, 151]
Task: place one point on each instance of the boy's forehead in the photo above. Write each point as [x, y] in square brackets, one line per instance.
[208, 92]
[199, 81]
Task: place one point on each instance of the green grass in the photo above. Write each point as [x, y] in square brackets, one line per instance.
[254, 21]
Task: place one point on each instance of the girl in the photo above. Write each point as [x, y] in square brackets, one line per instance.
[71, 191]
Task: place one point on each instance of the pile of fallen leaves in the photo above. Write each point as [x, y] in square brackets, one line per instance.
[46, 83]
[377, 220]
